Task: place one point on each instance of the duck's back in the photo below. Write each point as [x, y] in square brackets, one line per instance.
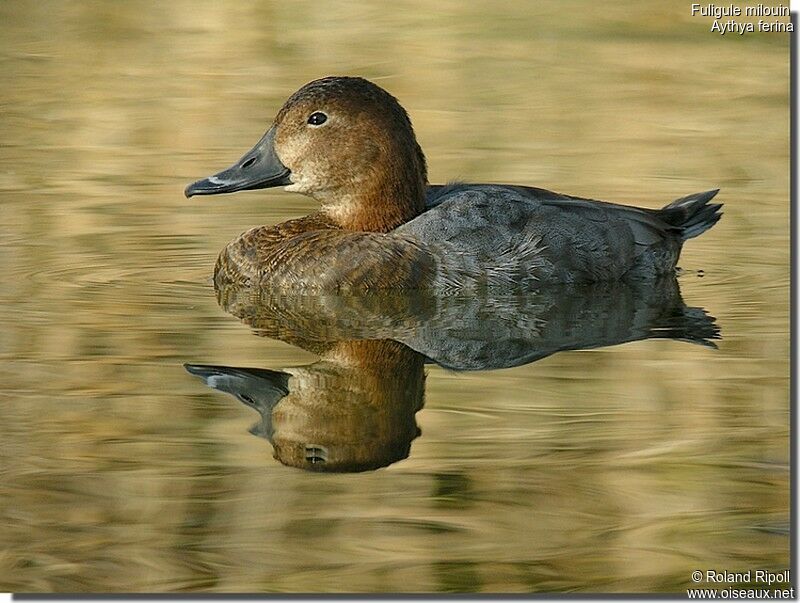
[510, 236]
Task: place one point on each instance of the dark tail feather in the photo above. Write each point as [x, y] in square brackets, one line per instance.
[693, 325]
[692, 215]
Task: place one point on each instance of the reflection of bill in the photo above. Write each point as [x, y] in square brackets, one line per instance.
[354, 409]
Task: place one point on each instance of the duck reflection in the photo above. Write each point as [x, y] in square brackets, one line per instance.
[354, 409]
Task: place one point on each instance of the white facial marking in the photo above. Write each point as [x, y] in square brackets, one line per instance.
[300, 184]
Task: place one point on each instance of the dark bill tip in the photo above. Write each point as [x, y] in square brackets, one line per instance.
[201, 187]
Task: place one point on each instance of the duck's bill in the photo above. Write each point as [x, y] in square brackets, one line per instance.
[259, 168]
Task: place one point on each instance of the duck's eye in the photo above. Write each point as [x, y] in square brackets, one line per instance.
[317, 118]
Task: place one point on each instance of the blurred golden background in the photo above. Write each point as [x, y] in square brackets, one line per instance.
[611, 470]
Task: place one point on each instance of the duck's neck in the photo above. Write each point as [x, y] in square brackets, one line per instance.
[371, 206]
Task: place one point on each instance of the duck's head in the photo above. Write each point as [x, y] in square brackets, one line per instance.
[343, 141]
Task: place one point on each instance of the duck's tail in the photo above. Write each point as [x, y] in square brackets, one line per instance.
[692, 215]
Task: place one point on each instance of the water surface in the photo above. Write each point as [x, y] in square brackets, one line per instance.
[615, 469]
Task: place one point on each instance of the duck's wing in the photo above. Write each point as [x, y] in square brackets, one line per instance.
[438, 193]
[687, 217]
[507, 236]
[647, 225]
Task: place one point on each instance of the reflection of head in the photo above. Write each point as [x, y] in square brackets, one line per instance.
[352, 411]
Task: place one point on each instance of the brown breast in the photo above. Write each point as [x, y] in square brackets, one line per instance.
[314, 253]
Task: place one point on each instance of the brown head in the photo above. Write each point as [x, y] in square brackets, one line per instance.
[345, 142]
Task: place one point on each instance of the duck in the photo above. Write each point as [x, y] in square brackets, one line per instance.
[350, 145]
